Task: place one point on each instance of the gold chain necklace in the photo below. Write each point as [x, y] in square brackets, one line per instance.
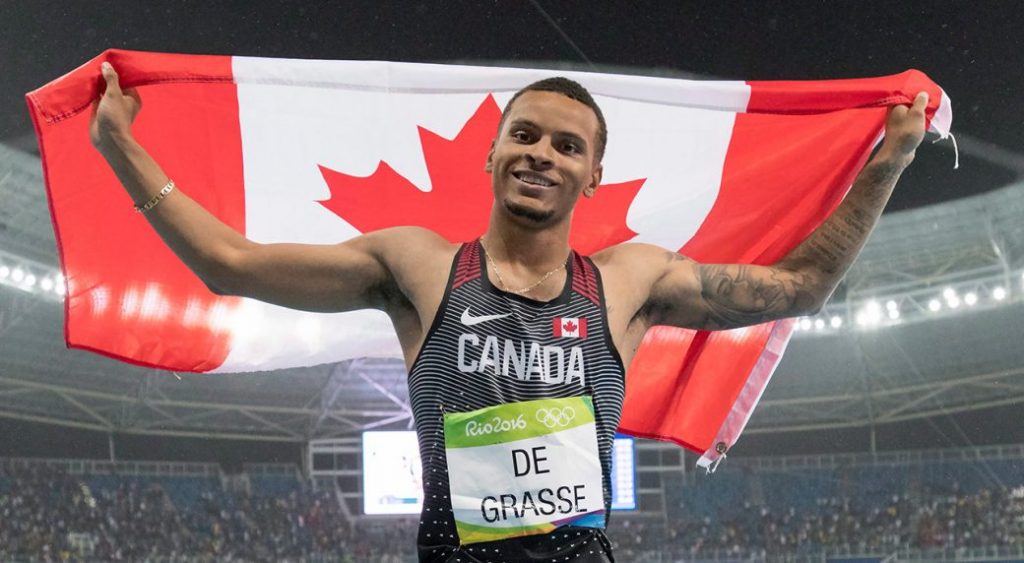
[504, 286]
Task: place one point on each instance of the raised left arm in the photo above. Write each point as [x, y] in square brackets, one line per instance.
[830, 250]
[716, 296]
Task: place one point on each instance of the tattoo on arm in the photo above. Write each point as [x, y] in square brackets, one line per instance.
[740, 295]
[737, 295]
[830, 250]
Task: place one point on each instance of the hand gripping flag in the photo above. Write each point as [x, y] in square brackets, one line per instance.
[321, 151]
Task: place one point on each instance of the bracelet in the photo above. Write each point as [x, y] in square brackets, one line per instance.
[168, 188]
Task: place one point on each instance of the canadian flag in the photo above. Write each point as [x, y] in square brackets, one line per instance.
[570, 327]
[322, 151]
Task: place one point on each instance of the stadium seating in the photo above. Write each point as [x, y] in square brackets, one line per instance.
[49, 513]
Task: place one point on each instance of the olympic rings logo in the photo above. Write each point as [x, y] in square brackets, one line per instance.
[556, 416]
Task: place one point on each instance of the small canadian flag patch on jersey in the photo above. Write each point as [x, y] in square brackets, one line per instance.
[570, 327]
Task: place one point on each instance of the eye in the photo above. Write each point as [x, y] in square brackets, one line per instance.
[520, 135]
[571, 148]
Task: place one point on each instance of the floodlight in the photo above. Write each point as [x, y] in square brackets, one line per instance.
[46, 284]
[819, 324]
[4, 272]
[953, 302]
[890, 305]
[934, 305]
[836, 321]
[870, 314]
[17, 275]
[949, 293]
[30, 280]
[999, 293]
[971, 298]
[805, 323]
[894, 314]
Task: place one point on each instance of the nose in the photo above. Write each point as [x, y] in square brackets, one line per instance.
[540, 154]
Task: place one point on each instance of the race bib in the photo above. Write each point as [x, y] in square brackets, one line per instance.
[524, 468]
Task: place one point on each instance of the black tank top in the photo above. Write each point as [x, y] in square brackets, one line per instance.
[459, 369]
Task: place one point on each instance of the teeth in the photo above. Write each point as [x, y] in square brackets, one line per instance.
[531, 179]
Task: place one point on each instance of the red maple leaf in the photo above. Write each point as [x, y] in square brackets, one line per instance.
[569, 326]
[459, 203]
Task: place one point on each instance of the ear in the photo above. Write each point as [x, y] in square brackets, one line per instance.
[595, 181]
[489, 166]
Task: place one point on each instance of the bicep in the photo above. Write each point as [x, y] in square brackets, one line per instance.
[309, 277]
[725, 296]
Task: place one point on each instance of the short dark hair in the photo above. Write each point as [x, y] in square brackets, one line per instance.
[572, 90]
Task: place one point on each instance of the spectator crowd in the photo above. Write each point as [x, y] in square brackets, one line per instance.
[956, 520]
[47, 514]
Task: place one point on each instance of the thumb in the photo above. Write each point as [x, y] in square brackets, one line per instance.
[110, 76]
[921, 101]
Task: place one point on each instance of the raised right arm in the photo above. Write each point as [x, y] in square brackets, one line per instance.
[326, 278]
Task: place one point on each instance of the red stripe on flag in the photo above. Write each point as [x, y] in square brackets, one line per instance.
[196, 137]
[804, 96]
[767, 153]
[72, 93]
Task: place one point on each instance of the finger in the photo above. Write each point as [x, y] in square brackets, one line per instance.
[920, 102]
[898, 111]
[134, 94]
[110, 76]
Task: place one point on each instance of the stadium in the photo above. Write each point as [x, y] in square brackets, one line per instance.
[893, 429]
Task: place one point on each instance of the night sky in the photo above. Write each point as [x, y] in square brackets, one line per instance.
[975, 51]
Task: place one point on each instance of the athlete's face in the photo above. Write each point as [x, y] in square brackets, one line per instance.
[543, 157]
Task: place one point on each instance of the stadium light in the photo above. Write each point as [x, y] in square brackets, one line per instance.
[923, 303]
[32, 277]
[870, 315]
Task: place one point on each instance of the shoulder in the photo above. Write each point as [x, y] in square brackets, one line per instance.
[397, 245]
[414, 255]
[638, 260]
[633, 274]
[641, 275]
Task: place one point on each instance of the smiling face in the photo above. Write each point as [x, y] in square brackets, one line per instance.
[544, 158]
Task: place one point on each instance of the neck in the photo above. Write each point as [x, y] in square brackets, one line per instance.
[525, 248]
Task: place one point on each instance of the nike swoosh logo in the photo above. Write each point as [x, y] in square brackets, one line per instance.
[470, 320]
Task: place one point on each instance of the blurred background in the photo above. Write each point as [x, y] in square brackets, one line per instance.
[893, 430]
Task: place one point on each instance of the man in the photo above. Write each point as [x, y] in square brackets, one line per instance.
[515, 319]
